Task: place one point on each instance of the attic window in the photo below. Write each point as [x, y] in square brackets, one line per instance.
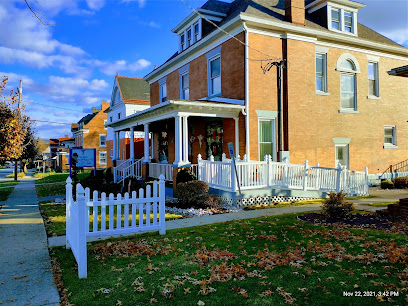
[342, 20]
[190, 35]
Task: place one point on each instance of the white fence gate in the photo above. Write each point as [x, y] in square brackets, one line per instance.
[95, 217]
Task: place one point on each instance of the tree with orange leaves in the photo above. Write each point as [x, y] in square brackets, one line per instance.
[13, 125]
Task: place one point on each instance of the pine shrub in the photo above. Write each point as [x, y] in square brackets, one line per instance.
[192, 194]
[400, 182]
[336, 206]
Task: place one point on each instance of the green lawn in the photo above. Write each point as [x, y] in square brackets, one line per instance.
[58, 186]
[383, 204]
[56, 177]
[5, 193]
[264, 261]
[283, 204]
[8, 183]
[55, 219]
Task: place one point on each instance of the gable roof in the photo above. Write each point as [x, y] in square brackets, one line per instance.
[87, 118]
[133, 90]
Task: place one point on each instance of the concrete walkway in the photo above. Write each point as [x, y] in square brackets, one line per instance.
[25, 273]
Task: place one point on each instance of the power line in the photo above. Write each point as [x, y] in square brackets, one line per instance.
[48, 105]
[227, 33]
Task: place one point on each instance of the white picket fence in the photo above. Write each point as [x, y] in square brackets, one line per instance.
[127, 168]
[94, 216]
[155, 170]
[269, 174]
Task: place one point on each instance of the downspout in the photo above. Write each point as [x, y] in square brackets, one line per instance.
[247, 144]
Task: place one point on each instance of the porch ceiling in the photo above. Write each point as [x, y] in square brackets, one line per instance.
[173, 108]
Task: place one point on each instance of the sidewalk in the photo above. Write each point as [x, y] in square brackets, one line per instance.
[25, 274]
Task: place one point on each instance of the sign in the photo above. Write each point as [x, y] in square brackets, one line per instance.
[82, 157]
[231, 149]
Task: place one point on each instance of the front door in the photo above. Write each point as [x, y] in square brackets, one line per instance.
[342, 155]
[267, 139]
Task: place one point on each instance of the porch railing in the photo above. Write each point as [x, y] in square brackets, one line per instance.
[127, 168]
[155, 170]
[268, 174]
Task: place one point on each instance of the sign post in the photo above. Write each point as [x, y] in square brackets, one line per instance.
[232, 155]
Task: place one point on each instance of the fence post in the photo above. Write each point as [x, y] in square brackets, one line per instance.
[68, 203]
[199, 158]
[305, 175]
[267, 158]
[224, 157]
[317, 176]
[366, 181]
[162, 197]
[338, 182]
[81, 231]
[285, 173]
[211, 168]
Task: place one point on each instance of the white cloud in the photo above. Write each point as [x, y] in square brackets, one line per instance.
[120, 65]
[141, 2]
[400, 36]
[95, 4]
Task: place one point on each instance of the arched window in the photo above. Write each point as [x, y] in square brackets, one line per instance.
[348, 66]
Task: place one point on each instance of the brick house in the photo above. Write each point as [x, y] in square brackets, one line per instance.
[129, 96]
[59, 150]
[294, 79]
[90, 133]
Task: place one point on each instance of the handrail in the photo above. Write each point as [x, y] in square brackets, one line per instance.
[396, 168]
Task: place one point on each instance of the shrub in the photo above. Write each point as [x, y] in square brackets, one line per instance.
[213, 201]
[92, 182]
[387, 184]
[336, 206]
[400, 182]
[58, 169]
[193, 193]
[185, 176]
[19, 175]
[109, 175]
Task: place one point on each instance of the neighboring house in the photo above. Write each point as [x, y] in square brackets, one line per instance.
[334, 102]
[58, 151]
[90, 133]
[129, 96]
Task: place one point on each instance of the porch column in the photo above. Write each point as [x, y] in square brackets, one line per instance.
[132, 143]
[146, 143]
[115, 144]
[177, 141]
[236, 136]
[185, 139]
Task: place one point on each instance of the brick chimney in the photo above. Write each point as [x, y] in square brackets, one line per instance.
[295, 11]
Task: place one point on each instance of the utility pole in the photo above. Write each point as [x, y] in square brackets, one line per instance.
[20, 92]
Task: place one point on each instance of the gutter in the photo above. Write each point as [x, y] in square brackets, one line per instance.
[246, 114]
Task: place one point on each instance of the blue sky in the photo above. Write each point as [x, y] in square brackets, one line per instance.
[70, 67]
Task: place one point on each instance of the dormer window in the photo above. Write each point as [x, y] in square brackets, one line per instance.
[336, 20]
[188, 38]
[348, 22]
[196, 32]
[182, 42]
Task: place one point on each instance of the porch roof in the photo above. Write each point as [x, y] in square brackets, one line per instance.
[173, 108]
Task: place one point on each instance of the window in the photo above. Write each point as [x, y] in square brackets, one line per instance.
[266, 138]
[196, 32]
[102, 157]
[111, 118]
[335, 22]
[215, 76]
[189, 38]
[111, 153]
[102, 140]
[184, 84]
[373, 80]
[348, 86]
[118, 116]
[342, 155]
[321, 74]
[104, 124]
[123, 154]
[182, 42]
[163, 92]
[390, 136]
[348, 22]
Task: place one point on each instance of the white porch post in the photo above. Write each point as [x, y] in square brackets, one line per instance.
[177, 141]
[115, 144]
[236, 136]
[146, 143]
[185, 140]
[132, 143]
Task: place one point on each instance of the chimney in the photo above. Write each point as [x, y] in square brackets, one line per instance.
[95, 110]
[66, 136]
[295, 11]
